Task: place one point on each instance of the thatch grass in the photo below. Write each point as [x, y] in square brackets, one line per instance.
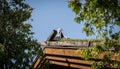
[79, 40]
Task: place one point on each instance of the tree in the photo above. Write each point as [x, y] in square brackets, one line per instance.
[17, 46]
[101, 17]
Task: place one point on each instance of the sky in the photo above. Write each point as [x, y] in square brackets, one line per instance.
[53, 14]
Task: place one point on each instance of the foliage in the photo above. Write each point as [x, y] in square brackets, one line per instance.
[100, 17]
[17, 47]
[96, 14]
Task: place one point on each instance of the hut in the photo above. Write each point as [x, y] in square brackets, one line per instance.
[62, 54]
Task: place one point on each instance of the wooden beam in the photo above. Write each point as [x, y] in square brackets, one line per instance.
[52, 35]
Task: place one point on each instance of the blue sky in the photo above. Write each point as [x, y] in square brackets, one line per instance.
[53, 14]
